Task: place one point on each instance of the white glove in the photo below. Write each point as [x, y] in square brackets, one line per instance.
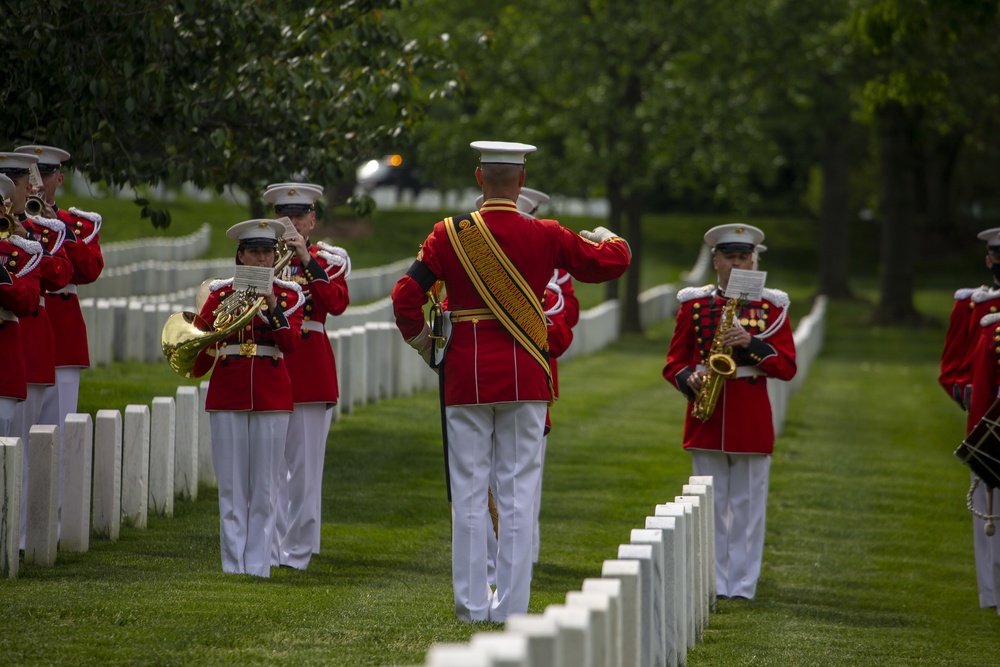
[423, 344]
[598, 235]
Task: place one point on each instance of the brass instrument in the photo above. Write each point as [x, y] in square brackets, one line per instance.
[719, 367]
[7, 223]
[34, 206]
[185, 335]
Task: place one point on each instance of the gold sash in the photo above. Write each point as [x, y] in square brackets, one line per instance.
[502, 287]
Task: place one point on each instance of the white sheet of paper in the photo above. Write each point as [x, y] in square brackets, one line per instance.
[746, 284]
[258, 277]
[34, 176]
[290, 231]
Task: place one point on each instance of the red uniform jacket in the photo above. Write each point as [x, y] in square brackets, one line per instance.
[312, 367]
[19, 295]
[984, 359]
[741, 423]
[957, 368]
[484, 363]
[83, 249]
[258, 383]
[56, 272]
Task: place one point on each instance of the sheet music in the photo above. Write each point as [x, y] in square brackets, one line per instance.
[290, 231]
[258, 277]
[746, 284]
[34, 176]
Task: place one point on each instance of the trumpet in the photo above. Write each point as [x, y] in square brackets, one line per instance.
[7, 223]
[185, 335]
[34, 206]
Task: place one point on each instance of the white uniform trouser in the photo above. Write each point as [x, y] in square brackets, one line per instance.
[58, 401]
[986, 549]
[7, 408]
[300, 486]
[26, 416]
[491, 537]
[246, 450]
[740, 483]
[508, 436]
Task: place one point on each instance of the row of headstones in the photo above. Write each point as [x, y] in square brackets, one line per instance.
[390, 197]
[164, 278]
[649, 608]
[115, 470]
[178, 248]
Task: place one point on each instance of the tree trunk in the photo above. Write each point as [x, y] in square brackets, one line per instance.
[616, 206]
[899, 225]
[835, 212]
[633, 234]
[941, 156]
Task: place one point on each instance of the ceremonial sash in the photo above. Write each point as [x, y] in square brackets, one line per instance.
[502, 287]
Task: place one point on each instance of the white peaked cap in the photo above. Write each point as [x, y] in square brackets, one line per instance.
[734, 234]
[283, 194]
[17, 161]
[530, 199]
[759, 248]
[256, 229]
[991, 236]
[6, 187]
[502, 152]
[46, 154]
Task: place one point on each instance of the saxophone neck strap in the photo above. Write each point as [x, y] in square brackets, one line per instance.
[500, 285]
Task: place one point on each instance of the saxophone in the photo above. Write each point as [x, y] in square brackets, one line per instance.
[719, 367]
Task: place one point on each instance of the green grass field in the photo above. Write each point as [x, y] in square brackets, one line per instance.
[868, 556]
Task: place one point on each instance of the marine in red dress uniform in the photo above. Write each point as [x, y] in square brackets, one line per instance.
[249, 400]
[37, 339]
[735, 443]
[83, 249]
[321, 271]
[495, 391]
[969, 362]
[19, 295]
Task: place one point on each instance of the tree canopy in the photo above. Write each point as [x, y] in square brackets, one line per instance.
[216, 92]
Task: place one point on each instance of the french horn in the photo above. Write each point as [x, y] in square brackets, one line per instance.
[185, 335]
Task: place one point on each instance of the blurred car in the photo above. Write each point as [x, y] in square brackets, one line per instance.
[390, 171]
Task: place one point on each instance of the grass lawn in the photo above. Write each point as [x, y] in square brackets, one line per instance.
[868, 556]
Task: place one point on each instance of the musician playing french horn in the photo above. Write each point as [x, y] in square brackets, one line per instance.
[731, 434]
[249, 400]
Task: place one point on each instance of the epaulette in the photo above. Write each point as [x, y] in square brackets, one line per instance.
[216, 285]
[966, 292]
[984, 294]
[27, 245]
[93, 217]
[335, 256]
[287, 284]
[292, 287]
[987, 320]
[777, 297]
[34, 248]
[57, 226]
[690, 293]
